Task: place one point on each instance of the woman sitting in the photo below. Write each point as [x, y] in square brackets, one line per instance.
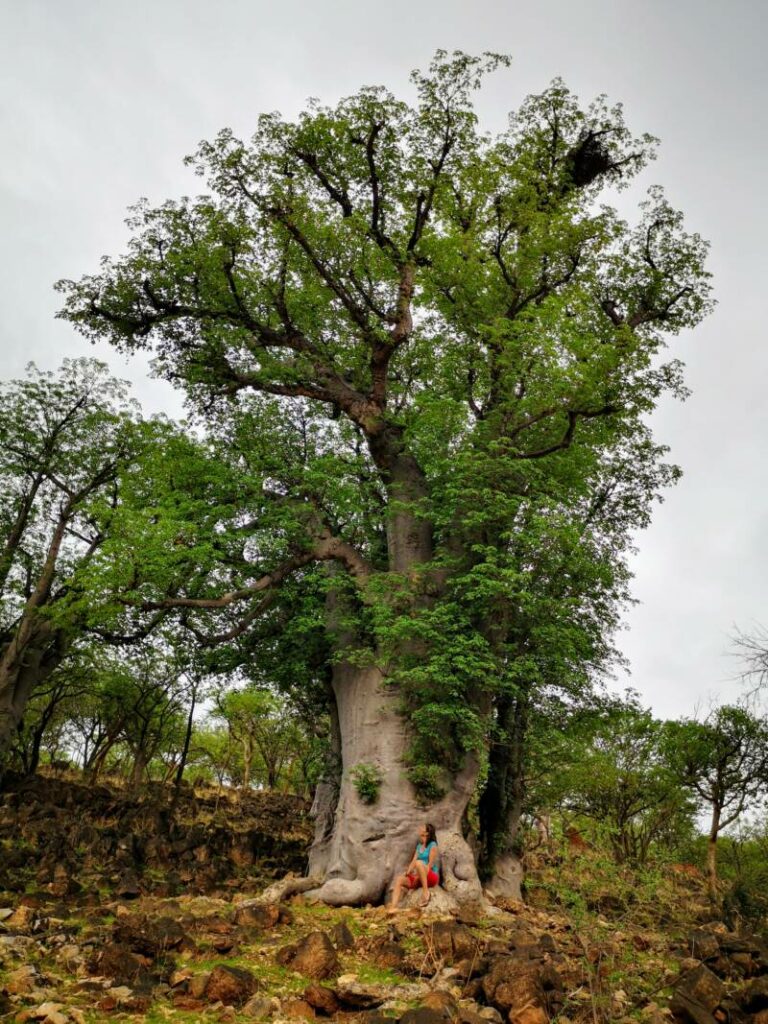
[424, 869]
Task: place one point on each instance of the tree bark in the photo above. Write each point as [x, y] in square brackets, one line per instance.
[370, 843]
[712, 852]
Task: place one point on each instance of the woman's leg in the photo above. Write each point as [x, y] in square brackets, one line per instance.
[397, 892]
[421, 867]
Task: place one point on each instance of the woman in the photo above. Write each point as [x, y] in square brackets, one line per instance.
[424, 869]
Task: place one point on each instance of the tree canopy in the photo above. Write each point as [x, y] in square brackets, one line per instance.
[427, 356]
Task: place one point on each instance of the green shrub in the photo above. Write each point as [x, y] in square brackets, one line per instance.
[367, 781]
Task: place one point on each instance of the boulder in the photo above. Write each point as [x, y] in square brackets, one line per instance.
[21, 981]
[703, 945]
[443, 1002]
[423, 1015]
[342, 936]
[321, 998]
[231, 986]
[697, 996]
[451, 942]
[353, 995]
[150, 938]
[515, 984]
[385, 953]
[127, 886]
[297, 1009]
[258, 1007]
[253, 914]
[314, 957]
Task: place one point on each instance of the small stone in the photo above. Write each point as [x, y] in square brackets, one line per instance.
[491, 1013]
[21, 981]
[322, 998]
[257, 1007]
[22, 919]
[76, 1014]
[56, 1017]
[342, 936]
[314, 957]
[263, 916]
[197, 984]
[423, 1015]
[44, 1010]
[443, 1002]
[231, 986]
[5, 913]
[297, 1008]
[120, 993]
[128, 886]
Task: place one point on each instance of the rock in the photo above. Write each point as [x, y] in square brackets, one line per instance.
[703, 945]
[451, 941]
[492, 1014]
[150, 937]
[231, 986]
[197, 984]
[23, 919]
[76, 1015]
[443, 1002]
[321, 998]
[257, 1007]
[118, 963]
[514, 984]
[5, 913]
[314, 957]
[63, 883]
[297, 1009]
[355, 996]
[529, 1015]
[423, 1015]
[257, 915]
[56, 1017]
[127, 886]
[698, 994]
[342, 936]
[754, 996]
[44, 1009]
[121, 994]
[388, 954]
[474, 968]
[21, 981]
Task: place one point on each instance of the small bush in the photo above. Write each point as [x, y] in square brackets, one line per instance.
[366, 779]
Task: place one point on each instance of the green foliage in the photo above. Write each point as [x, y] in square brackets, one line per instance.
[367, 781]
[429, 781]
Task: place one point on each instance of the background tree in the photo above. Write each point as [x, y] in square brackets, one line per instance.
[724, 761]
[436, 343]
[620, 779]
[65, 439]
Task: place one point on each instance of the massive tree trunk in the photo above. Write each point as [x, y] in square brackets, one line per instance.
[369, 843]
[361, 846]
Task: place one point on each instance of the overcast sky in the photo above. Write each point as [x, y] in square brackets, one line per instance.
[101, 99]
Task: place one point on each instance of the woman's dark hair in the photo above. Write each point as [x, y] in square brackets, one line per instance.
[430, 830]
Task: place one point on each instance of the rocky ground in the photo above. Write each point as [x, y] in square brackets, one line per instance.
[130, 922]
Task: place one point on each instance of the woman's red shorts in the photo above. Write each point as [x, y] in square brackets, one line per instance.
[414, 881]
